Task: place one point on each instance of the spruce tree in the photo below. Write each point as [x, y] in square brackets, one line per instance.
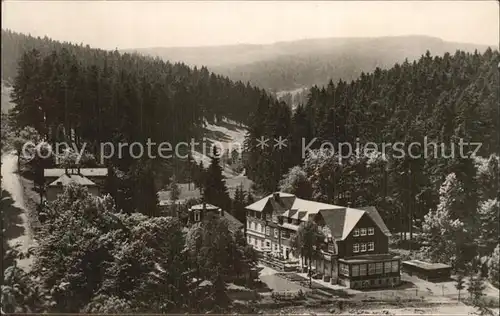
[214, 189]
[239, 204]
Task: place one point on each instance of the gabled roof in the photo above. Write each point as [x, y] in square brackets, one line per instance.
[341, 220]
[352, 217]
[232, 222]
[375, 216]
[87, 172]
[261, 204]
[66, 179]
[202, 206]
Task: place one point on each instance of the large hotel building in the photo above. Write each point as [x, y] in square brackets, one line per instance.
[356, 248]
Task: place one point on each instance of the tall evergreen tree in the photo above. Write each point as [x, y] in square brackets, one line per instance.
[214, 189]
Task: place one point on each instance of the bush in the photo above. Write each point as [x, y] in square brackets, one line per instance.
[493, 263]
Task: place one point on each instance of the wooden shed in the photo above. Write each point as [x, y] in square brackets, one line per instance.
[426, 270]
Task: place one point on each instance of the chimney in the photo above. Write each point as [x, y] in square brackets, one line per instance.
[276, 196]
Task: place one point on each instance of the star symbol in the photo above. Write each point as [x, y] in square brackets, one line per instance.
[280, 142]
[262, 142]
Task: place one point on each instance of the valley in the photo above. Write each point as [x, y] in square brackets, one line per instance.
[336, 158]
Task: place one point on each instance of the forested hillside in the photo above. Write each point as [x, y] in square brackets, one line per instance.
[142, 80]
[443, 98]
[286, 66]
[103, 96]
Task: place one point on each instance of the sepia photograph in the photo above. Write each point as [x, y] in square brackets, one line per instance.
[250, 157]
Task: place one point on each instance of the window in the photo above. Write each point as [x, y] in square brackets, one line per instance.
[371, 231]
[285, 234]
[344, 269]
[331, 247]
[362, 269]
[363, 247]
[276, 247]
[257, 215]
[248, 225]
[289, 220]
[371, 268]
[387, 267]
[355, 270]
[268, 244]
[356, 233]
[249, 240]
[268, 230]
[275, 233]
[258, 228]
[275, 218]
[253, 226]
[371, 246]
[260, 243]
[268, 216]
[379, 268]
[355, 248]
[395, 266]
[292, 235]
[197, 216]
[363, 232]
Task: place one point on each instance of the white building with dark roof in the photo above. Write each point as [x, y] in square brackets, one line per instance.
[198, 212]
[356, 248]
[56, 187]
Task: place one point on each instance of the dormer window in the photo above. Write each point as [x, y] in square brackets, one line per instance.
[371, 231]
[363, 232]
[355, 232]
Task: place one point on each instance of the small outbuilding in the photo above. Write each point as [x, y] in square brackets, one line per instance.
[426, 270]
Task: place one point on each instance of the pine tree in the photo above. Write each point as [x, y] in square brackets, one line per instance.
[476, 289]
[460, 284]
[215, 190]
[239, 204]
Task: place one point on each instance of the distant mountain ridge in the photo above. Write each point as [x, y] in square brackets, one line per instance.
[303, 63]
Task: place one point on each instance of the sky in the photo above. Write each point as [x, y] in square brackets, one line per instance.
[137, 24]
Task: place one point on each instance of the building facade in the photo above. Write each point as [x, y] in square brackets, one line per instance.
[197, 213]
[68, 176]
[355, 252]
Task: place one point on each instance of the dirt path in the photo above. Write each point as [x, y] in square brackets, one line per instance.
[21, 236]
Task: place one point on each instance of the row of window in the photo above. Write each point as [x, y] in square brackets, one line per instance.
[370, 268]
[269, 217]
[363, 231]
[363, 247]
[259, 243]
[260, 228]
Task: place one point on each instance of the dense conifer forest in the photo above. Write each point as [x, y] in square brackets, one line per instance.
[441, 98]
[104, 96]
